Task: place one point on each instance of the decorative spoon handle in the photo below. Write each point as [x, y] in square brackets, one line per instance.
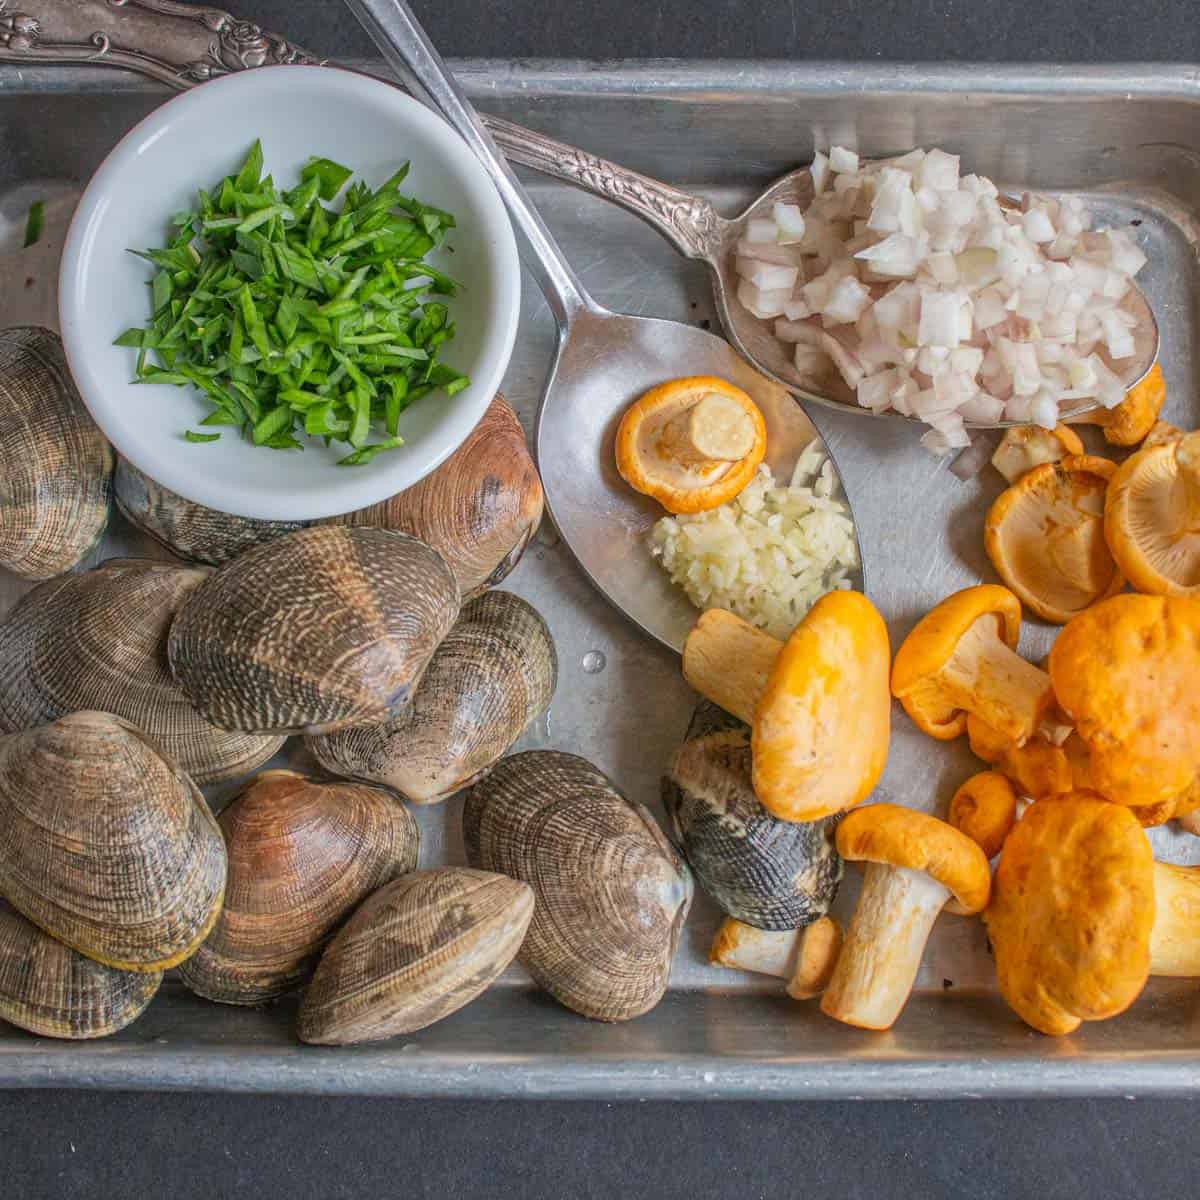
[689, 223]
[408, 50]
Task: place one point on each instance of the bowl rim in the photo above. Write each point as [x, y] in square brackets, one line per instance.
[382, 478]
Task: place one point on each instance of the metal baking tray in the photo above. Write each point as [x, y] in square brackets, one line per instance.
[1128, 138]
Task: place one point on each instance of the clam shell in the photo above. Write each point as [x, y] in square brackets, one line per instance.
[55, 464]
[302, 856]
[478, 510]
[320, 629]
[611, 893]
[768, 873]
[105, 845]
[416, 951]
[189, 530]
[99, 641]
[493, 674]
[49, 989]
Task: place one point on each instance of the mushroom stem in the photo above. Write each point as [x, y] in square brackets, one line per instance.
[728, 662]
[1187, 459]
[985, 677]
[804, 957]
[1175, 938]
[715, 429]
[884, 945]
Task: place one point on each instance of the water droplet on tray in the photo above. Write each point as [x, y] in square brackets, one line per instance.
[594, 662]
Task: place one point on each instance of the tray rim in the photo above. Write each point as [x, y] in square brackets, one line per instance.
[27, 1063]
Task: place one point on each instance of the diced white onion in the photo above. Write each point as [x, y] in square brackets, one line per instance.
[790, 222]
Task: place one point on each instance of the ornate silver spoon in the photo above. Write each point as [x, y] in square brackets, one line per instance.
[698, 231]
[604, 361]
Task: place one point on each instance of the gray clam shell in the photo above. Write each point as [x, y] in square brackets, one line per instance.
[611, 893]
[323, 628]
[55, 465]
[492, 675]
[189, 530]
[766, 872]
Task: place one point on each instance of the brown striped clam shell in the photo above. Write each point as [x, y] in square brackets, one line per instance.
[105, 845]
[768, 873]
[55, 465]
[302, 856]
[189, 530]
[611, 893]
[478, 510]
[98, 640]
[416, 951]
[323, 628]
[492, 675]
[51, 990]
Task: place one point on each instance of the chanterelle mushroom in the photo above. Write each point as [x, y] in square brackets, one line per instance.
[961, 658]
[985, 809]
[1131, 420]
[1027, 446]
[693, 444]
[804, 957]
[916, 864]
[1152, 518]
[1126, 673]
[1071, 912]
[817, 704]
[1045, 537]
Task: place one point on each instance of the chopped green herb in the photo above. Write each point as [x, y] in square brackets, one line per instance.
[35, 223]
[293, 318]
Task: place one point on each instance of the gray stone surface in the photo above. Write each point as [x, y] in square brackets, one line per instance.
[80, 1144]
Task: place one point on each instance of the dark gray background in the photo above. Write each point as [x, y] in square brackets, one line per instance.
[62, 1144]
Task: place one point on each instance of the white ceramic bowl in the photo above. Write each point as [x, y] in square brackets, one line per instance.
[193, 141]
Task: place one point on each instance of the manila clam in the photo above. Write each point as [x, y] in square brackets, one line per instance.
[98, 640]
[416, 951]
[51, 990]
[55, 464]
[766, 872]
[323, 628]
[302, 856]
[478, 510]
[189, 530]
[611, 893]
[493, 674]
[105, 845]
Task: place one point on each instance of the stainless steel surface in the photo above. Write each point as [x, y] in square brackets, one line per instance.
[1127, 139]
[602, 362]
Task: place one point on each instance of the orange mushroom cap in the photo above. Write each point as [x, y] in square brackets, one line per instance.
[1130, 421]
[961, 657]
[661, 453]
[902, 837]
[1125, 672]
[1152, 518]
[1045, 537]
[1071, 913]
[821, 726]
[985, 809]
[1027, 446]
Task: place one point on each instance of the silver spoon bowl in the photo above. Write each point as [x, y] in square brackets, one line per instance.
[698, 231]
[603, 362]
